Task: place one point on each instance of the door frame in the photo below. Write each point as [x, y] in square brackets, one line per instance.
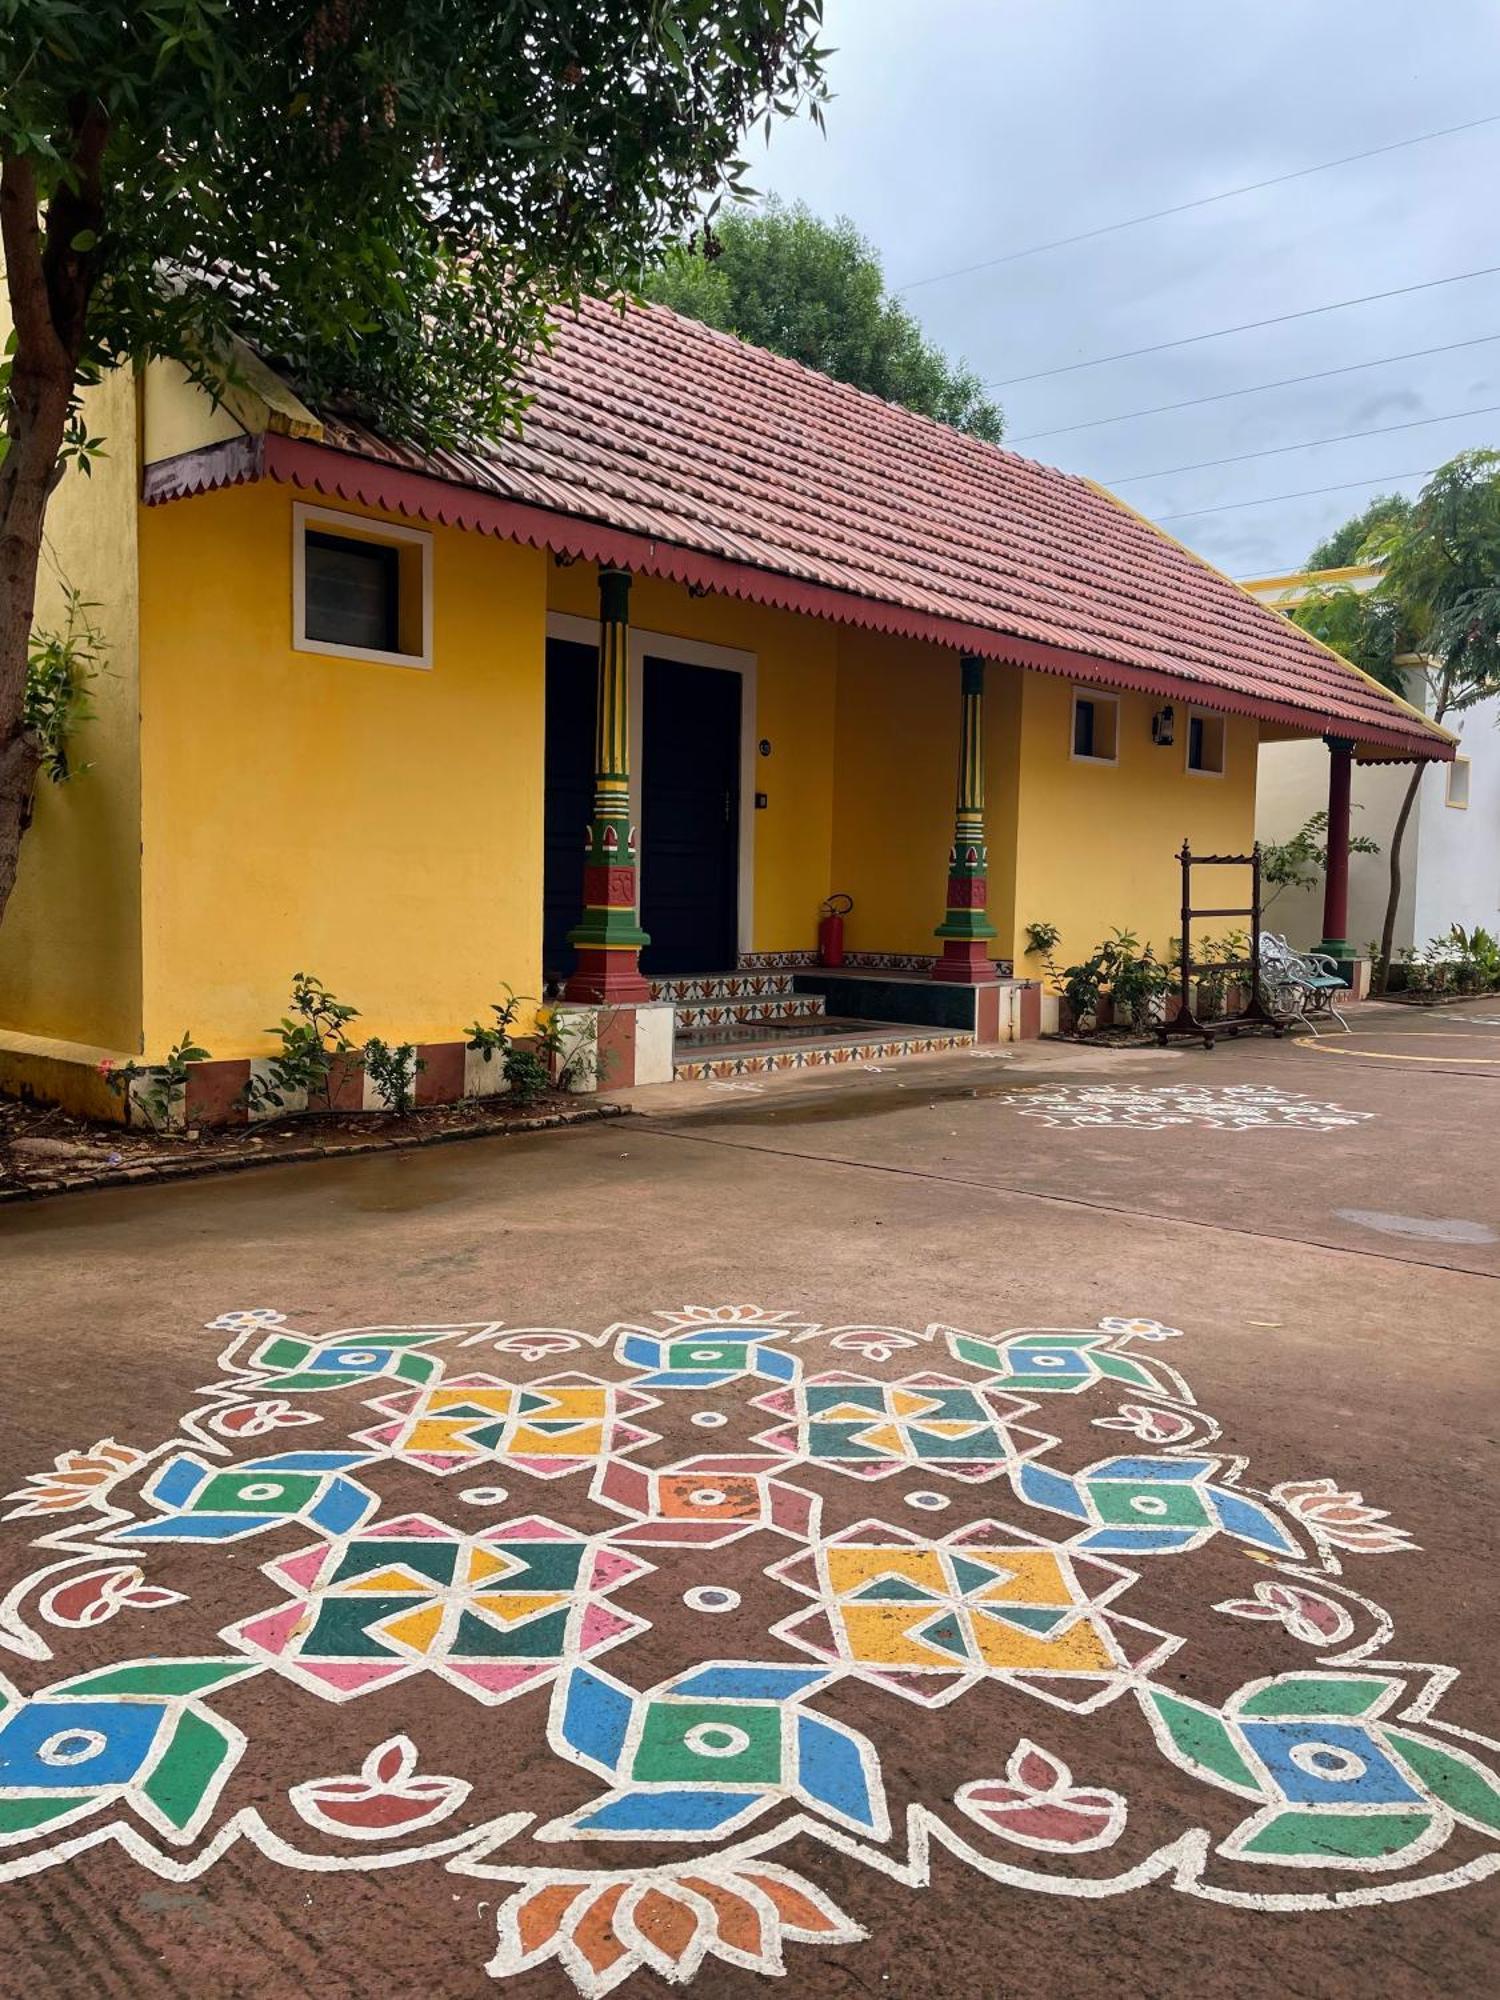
[692, 653]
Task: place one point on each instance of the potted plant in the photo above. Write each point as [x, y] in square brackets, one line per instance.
[1213, 981]
[1139, 990]
[1081, 988]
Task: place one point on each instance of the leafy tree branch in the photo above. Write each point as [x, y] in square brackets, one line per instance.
[385, 199]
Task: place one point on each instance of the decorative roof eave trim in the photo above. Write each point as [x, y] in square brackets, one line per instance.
[396, 490]
[233, 462]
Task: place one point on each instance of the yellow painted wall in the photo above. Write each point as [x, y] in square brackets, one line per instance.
[1096, 844]
[378, 826]
[897, 774]
[796, 671]
[70, 965]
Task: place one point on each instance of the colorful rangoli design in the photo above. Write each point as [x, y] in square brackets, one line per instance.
[927, 1566]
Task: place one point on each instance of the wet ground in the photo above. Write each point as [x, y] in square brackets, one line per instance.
[1318, 1220]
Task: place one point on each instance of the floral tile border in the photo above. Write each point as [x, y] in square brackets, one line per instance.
[723, 1013]
[714, 1069]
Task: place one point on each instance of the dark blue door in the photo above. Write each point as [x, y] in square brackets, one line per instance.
[690, 818]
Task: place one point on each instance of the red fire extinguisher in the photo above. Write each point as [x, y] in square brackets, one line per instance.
[831, 929]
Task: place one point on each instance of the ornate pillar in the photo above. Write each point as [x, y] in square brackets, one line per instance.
[965, 930]
[1336, 882]
[608, 937]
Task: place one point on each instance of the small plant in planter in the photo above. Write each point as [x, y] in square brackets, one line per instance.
[1082, 986]
[393, 1071]
[492, 1042]
[1139, 990]
[527, 1074]
[1042, 940]
[576, 1062]
[1213, 980]
[162, 1086]
[315, 1049]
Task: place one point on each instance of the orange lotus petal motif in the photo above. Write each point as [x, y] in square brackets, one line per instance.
[603, 1930]
[1341, 1519]
[76, 1479]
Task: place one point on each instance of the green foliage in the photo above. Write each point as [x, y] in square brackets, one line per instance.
[1136, 984]
[393, 1071]
[527, 1074]
[1444, 570]
[1432, 623]
[1303, 860]
[493, 1041]
[164, 1085]
[565, 1061]
[1482, 948]
[1435, 612]
[313, 1048]
[1363, 538]
[549, 1061]
[383, 199]
[1368, 627]
[1458, 962]
[1042, 939]
[1132, 975]
[1217, 959]
[61, 666]
[815, 291]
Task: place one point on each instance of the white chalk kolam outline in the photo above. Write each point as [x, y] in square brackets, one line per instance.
[1181, 1861]
[1170, 1106]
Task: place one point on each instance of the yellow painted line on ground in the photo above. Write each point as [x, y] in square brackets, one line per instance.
[1326, 1048]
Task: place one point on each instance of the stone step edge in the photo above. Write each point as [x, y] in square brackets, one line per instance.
[762, 1062]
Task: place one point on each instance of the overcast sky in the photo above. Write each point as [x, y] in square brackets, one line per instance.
[965, 129]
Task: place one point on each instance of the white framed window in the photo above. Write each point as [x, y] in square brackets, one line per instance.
[1096, 727]
[361, 590]
[1205, 744]
[1457, 793]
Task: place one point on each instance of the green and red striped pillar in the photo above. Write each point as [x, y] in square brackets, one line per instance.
[965, 930]
[608, 937]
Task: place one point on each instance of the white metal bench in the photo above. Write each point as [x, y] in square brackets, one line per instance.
[1300, 984]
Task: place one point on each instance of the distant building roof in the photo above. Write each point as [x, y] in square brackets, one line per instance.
[1283, 591]
[666, 446]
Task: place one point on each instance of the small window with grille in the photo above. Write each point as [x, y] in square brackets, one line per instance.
[362, 590]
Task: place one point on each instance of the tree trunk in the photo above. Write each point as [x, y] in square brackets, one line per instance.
[1398, 835]
[49, 283]
[1443, 693]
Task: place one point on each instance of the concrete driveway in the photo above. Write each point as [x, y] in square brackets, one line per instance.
[987, 1527]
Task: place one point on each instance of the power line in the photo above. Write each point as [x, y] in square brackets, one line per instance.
[1223, 395]
[1307, 444]
[1303, 493]
[1249, 326]
[1182, 207]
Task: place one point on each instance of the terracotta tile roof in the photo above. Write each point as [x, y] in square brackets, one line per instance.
[658, 427]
